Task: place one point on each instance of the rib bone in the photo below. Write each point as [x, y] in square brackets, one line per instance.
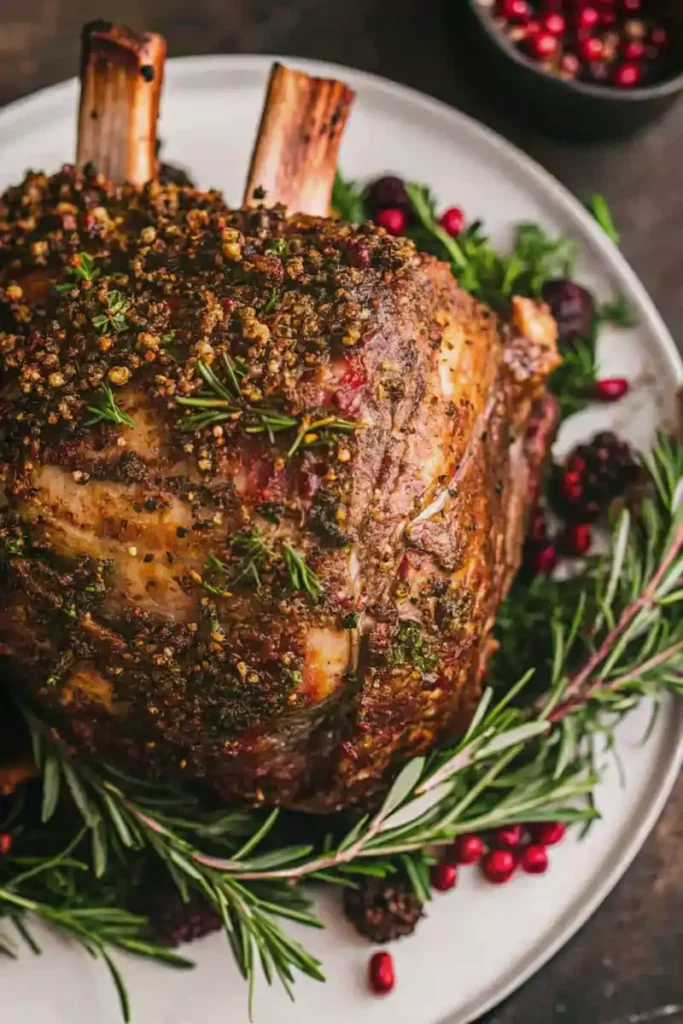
[121, 79]
[295, 153]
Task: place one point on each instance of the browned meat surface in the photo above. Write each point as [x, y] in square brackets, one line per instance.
[231, 591]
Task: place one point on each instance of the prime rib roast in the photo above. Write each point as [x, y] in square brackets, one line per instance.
[267, 473]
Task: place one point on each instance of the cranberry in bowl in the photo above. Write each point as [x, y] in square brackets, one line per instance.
[583, 68]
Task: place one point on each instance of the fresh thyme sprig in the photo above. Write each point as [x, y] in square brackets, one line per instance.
[108, 409]
[83, 270]
[115, 318]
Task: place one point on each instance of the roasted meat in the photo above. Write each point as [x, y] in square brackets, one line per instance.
[267, 473]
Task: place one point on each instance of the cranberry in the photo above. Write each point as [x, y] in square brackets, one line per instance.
[393, 219]
[555, 24]
[453, 221]
[381, 973]
[587, 17]
[386, 192]
[548, 833]
[572, 306]
[507, 838]
[590, 49]
[543, 45]
[634, 49]
[626, 76]
[467, 849]
[498, 866]
[5, 843]
[576, 463]
[546, 560]
[534, 859]
[611, 389]
[514, 9]
[577, 539]
[444, 876]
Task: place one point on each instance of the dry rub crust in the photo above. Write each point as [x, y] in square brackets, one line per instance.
[412, 521]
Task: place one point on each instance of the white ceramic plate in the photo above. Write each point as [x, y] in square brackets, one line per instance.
[479, 942]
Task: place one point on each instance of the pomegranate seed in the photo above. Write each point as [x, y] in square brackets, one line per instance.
[393, 220]
[381, 973]
[534, 859]
[555, 24]
[625, 77]
[546, 560]
[659, 37]
[590, 49]
[611, 389]
[532, 28]
[548, 833]
[514, 9]
[5, 843]
[608, 18]
[507, 838]
[498, 866]
[467, 849]
[634, 49]
[577, 539]
[453, 221]
[634, 28]
[588, 18]
[632, 6]
[359, 254]
[444, 876]
[570, 480]
[543, 45]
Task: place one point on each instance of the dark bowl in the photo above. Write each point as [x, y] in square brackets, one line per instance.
[570, 109]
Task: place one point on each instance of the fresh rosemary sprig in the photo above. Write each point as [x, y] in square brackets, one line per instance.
[598, 206]
[254, 555]
[115, 318]
[108, 410]
[301, 576]
[226, 402]
[84, 270]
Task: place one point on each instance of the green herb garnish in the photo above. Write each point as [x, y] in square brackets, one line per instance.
[598, 206]
[108, 410]
[412, 647]
[115, 318]
[347, 200]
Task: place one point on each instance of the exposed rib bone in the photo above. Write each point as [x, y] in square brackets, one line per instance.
[121, 79]
[295, 153]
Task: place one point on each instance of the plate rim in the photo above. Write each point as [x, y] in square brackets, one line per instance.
[611, 257]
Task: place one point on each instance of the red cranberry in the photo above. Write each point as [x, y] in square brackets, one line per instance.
[572, 306]
[543, 45]
[590, 49]
[514, 9]
[546, 560]
[453, 221]
[386, 192]
[444, 876]
[548, 833]
[576, 463]
[534, 859]
[5, 843]
[507, 838]
[626, 76]
[587, 17]
[467, 849]
[498, 866]
[634, 49]
[555, 24]
[392, 219]
[381, 973]
[577, 539]
[570, 482]
[611, 389]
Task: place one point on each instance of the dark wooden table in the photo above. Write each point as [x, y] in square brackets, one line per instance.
[624, 967]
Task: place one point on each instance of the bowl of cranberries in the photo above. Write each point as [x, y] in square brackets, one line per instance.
[591, 68]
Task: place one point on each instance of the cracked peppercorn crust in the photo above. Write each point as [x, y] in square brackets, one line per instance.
[160, 592]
